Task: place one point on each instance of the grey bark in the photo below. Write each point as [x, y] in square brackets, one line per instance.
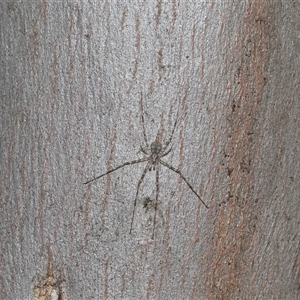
[71, 78]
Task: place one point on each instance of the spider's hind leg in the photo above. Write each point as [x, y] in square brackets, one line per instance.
[156, 200]
[185, 180]
[137, 193]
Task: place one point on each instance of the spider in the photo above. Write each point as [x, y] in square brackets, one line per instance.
[154, 154]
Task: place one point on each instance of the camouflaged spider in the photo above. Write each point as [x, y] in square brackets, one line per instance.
[154, 154]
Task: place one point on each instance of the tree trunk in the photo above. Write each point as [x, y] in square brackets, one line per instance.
[75, 77]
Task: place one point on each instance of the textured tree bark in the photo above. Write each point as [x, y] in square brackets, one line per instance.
[72, 78]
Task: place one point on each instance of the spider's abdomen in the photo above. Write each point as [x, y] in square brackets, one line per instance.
[155, 147]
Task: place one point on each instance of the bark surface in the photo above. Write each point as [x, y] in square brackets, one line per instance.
[72, 77]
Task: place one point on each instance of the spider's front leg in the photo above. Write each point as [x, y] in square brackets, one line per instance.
[165, 154]
[144, 150]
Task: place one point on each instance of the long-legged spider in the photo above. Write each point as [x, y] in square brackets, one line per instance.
[154, 154]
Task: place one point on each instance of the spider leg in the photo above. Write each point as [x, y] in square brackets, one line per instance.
[180, 174]
[165, 154]
[171, 137]
[143, 123]
[156, 200]
[137, 192]
[119, 167]
[144, 150]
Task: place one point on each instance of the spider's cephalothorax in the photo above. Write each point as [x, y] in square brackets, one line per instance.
[157, 151]
[155, 147]
[155, 154]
